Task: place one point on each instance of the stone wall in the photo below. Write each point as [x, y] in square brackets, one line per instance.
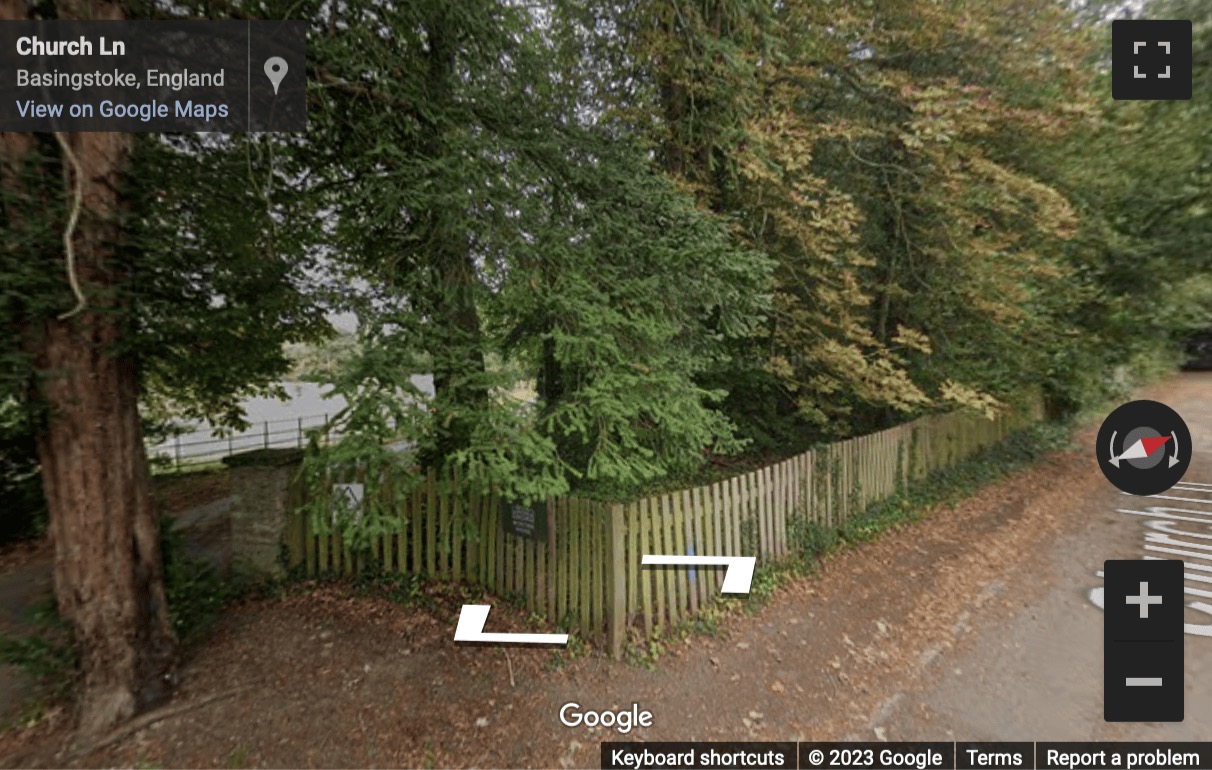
[260, 484]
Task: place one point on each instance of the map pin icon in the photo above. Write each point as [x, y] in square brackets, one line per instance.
[275, 70]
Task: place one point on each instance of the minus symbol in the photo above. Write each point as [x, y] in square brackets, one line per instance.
[1143, 681]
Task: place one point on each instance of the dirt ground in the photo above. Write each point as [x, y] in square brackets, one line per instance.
[323, 678]
[26, 577]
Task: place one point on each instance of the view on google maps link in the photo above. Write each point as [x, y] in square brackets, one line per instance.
[564, 384]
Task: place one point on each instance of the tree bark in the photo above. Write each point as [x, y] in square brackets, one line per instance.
[458, 359]
[108, 569]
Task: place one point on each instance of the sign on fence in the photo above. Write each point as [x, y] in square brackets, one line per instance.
[352, 494]
[525, 521]
[586, 561]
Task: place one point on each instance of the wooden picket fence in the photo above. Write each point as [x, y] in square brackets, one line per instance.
[586, 572]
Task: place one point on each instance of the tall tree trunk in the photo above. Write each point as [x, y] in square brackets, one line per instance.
[108, 569]
[458, 362]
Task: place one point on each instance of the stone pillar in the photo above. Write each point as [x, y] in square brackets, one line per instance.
[260, 484]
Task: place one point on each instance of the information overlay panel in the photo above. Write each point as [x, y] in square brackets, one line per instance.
[908, 756]
[137, 76]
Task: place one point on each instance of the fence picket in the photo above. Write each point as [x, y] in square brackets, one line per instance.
[711, 523]
[555, 561]
[761, 486]
[399, 509]
[871, 468]
[725, 513]
[519, 568]
[530, 569]
[849, 485]
[646, 574]
[587, 574]
[886, 472]
[445, 517]
[825, 516]
[894, 460]
[681, 574]
[790, 495]
[631, 531]
[600, 533]
[589, 545]
[870, 451]
[734, 518]
[859, 496]
[807, 486]
[839, 486]
[510, 546]
[431, 525]
[780, 510]
[312, 544]
[496, 565]
[550, 562]
[687, 602]
[584, 564]
[458, 531]
[480, 514]
[346, 555]
[694, 503]
[846, 488]
[877, 467]
[668, 546]
[324, 546]
[772, 515]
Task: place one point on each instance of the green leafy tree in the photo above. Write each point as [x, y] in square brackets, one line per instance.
[133, 269]
[577, 268]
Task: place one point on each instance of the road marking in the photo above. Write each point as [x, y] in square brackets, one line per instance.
[1167, 527]
[471, 629]
[1143, 681]
[1184, 499]
[737, 577]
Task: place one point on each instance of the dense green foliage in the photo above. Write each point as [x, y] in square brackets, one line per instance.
[727, 225]
[626, 239]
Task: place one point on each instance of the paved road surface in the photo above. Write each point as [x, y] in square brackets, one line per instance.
[1037, 673]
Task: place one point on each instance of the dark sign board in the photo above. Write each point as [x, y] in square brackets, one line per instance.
[529, 521]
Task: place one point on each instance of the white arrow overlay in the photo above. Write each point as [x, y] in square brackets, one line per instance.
[471, 629]
[737, 577]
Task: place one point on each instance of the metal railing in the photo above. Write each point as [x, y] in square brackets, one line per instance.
[204, 446]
